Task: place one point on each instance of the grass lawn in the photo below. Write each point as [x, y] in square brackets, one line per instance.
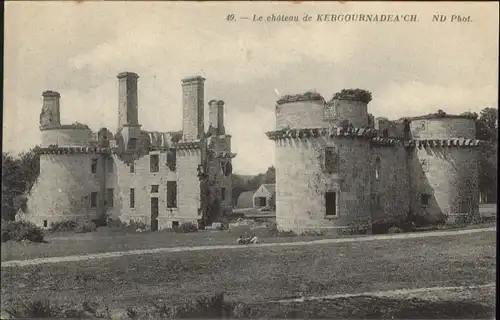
[105, 240]
[109, 240]
[254, 275]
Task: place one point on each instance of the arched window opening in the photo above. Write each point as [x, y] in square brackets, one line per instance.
[377, 168]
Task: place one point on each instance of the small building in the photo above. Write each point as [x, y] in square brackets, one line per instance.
[245, 200]
[262, 197]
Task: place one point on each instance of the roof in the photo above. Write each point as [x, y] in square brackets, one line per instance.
[271, 187]
[245, 200]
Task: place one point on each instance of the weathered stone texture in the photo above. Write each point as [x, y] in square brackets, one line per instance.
[300, 115]
[301, 183]
[355, 112]
[63, 192]
[451, 180]
[193, 108]
[388, 189]
[391, 191]
[66, 182]
[443, 128]
[67, 137]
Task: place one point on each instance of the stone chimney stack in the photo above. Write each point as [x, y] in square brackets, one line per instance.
[128, 112]
[51, 114]
[193, 92]
[216, 116]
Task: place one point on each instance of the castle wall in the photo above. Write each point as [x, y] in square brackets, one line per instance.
[443, 128]
[449, 176]
[221, 144]
[66, 137]
[63, 189]
[355, 112]
[391, 189]
[189, 201]
[305, 114]
[141, 181]
[301, 183]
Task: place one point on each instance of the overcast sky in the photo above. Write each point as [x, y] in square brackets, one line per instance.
[78, 49]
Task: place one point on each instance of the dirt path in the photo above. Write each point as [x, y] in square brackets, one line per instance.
[392, 293]
[105, 255]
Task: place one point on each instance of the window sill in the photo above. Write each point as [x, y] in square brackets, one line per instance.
[331, 217]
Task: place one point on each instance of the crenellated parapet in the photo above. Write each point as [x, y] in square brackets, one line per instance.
[433, 143]
[54, 149]
[186, 145]
[324, 131]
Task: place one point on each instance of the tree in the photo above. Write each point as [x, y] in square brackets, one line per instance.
[487, 129]
[19, 174]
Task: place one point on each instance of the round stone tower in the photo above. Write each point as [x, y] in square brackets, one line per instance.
[322, 171]
[445, 166]
[72, 165]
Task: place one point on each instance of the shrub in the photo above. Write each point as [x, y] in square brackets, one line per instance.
[21, 230]
[395, 230]
[314, 233]
[86, 227]
[134, 225]
[273, 231]
[186, 227]
[116, 223]
[67, 225]
[208, 306]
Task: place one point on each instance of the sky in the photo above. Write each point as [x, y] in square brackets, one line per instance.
[78, 48]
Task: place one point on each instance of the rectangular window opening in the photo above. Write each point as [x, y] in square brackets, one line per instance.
[110, 199]
[93, 199]
[425, 199]
[93, 166]
[331, 203]
[171, 194]
[331, 162]
[132, 167]
[175, 224]
[223, 194]
[154, 161]
[172, 160]
[45, 223]
[132, 198]
[155, 188]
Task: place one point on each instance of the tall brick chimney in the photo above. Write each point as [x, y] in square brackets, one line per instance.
[216, 116]
[128, 112]
[51, 114]
[193, 92]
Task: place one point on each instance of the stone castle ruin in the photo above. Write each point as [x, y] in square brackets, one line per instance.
[337, 166]
[162, 179]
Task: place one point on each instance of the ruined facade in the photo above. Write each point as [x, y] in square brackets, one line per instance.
[337, 166]
[158, 178]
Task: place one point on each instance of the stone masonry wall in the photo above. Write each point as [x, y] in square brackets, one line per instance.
[63, 189]
[309, 114]
[141, 181]
[67, 137]
[221, 144]
[450, 177]
[301, 183]
[391, 191]
[443, 128]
